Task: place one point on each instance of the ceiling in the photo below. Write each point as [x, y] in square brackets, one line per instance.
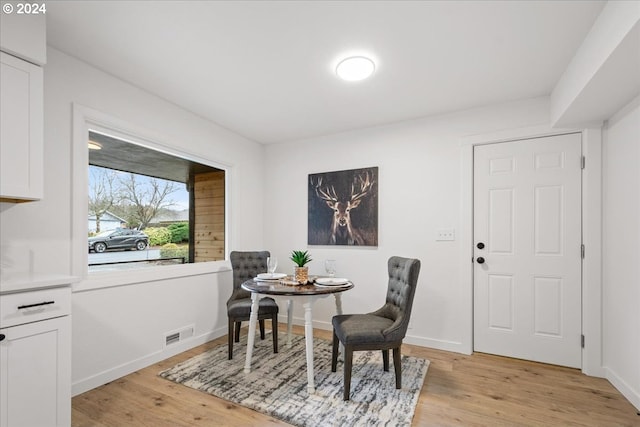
[125, 156]
[265, 69]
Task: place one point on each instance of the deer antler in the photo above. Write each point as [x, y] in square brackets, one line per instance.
[365, 185]
[327, 194]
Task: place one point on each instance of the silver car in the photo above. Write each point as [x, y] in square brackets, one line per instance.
[120, 238]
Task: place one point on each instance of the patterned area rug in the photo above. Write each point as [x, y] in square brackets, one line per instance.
[277, 384]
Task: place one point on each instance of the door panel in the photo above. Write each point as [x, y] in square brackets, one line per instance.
[501, 302]
[549, 211]
[527, 212]
[501, 221]
[548, 306]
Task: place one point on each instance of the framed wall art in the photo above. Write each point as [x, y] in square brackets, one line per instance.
[343, 208]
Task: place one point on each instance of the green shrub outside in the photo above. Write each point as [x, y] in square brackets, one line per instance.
[171, 250]
[158, 236]
[179, 232]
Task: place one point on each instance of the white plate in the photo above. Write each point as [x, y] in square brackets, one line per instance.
[334, 286]
[271, 276]
[331, 281]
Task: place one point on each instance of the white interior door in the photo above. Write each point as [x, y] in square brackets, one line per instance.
[527, 254]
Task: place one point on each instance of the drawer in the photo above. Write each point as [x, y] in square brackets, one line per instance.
[25, 307]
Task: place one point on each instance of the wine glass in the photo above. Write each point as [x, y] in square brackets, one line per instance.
[272, 264]
[330, 266]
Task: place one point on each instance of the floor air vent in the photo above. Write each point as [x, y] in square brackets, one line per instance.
[172, 338]
[175, 337]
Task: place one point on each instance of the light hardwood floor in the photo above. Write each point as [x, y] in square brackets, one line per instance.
[459, 390]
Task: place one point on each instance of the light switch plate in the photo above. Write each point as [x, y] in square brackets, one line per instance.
[445, 234]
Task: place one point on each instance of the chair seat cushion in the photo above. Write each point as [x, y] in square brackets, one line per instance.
[360, 328]
[242, 307]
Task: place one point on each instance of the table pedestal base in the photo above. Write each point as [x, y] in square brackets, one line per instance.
[308, 301]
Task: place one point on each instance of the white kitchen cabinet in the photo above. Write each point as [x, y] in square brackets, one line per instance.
[21, 130]
[35, 359]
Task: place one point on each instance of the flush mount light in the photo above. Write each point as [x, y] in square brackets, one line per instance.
[355, 68]
[94, 145]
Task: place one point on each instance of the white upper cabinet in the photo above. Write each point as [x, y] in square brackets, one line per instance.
[24, 49]
[21, 130]
[23, 32]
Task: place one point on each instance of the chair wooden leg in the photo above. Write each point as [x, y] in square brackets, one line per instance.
[334, 352]
[385, 360]
[348, 363]
[237, 332]
[274, 328]
[261, 322]
[230, 339]
[397, 366]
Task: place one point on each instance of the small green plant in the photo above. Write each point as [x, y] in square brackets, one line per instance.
[158, 236]
[171, 250]
[179, 232]
[300, 258]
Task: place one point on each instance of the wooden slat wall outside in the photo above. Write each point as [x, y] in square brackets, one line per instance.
[209, 216]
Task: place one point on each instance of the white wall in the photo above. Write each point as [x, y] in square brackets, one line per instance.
[621, 253]
[419, 191]
[119, 329]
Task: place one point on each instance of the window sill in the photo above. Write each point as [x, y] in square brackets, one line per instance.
[112, 279]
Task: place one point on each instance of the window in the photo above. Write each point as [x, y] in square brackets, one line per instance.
[147, 207]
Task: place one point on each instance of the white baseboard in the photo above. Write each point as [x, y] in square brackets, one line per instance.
[437, 344]
[627, 391]
[453, 346]
[114, 373]
[324, 325]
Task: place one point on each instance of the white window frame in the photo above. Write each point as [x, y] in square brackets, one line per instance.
[85, 119]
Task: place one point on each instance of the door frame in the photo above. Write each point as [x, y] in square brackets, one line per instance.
[591, 233]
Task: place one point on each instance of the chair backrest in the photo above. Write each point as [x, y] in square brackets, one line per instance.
[403, 278]
[246, 265]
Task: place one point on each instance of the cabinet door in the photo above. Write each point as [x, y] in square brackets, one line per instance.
[21, 130]
[35, 374]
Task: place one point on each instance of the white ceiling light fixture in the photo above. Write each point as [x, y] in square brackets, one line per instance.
[355, 68]
[94, 145]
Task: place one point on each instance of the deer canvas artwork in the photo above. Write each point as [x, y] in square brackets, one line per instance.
[343, 208]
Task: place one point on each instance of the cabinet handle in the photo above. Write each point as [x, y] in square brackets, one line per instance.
[2, 337]
[35, 305]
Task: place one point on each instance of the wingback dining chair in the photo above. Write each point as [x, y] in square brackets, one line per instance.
[382, 329]
[247, 265]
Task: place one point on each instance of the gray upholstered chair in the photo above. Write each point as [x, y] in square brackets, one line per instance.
[247, 265]
[382, 329]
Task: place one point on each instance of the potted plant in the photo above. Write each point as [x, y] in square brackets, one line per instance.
[301, 258]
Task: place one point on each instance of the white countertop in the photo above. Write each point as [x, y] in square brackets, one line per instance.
[21, 282]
